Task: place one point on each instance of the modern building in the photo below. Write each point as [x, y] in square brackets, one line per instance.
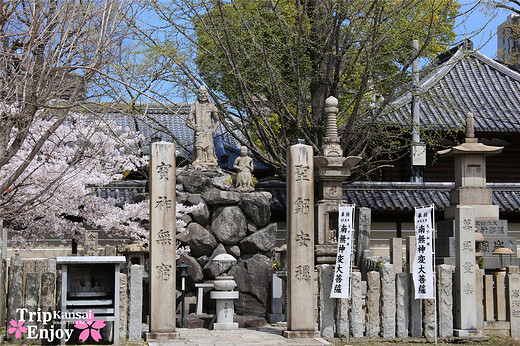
[508, 41]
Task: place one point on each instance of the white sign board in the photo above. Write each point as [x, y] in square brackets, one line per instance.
[423, 274]
[341, 280]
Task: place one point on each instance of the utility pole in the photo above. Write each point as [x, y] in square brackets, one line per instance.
[418, 150]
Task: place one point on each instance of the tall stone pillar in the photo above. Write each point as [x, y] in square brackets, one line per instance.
[162, 242]
[465, 321]
[301, 317]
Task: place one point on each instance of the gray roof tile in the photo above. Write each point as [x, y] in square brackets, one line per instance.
[466, 82]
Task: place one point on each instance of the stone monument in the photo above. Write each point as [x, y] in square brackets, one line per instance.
[471, 190]
[244, 166]
[202, 115]
[162, 242]
[470, 199]
[331, 169]
[300, 227]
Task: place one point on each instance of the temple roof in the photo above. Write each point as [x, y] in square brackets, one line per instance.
[459, 81]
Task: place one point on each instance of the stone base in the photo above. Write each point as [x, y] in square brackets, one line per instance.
[467, 333]
[497, 328]
[300, 334]
[274, 318]
[482, 212]
[161, 336]
[225, 326]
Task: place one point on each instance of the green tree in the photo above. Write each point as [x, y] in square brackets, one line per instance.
[270, 65]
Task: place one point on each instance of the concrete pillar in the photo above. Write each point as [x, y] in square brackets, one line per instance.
[465, 322]
[445, 300]
[396, 254]
[373, 299]
[402, 304]
[387, 301]
[513, 293]
[356, 306]
[162, 242]
[135, 306]
[300, 226]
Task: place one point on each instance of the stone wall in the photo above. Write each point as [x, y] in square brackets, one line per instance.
[228, 222]
[383, 307]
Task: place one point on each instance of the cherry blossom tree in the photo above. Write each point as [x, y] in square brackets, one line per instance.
[53, 197]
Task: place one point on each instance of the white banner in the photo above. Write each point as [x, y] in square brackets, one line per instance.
[341, 280]
[422, 270]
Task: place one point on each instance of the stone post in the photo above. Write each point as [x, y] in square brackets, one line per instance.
[356, 306]
[513, 293]
[14, 300]
[91, 243]
[3, 254]
[162, 242]
[500, 296]
[301, 317]
[429, 319]
[123, 306]
[373, 300]
[396, 254]
[445, 300]
[47, 295]
[326, 305]
[342, 322]
[276, 314]
[402, 304]
[135, 305]
[32, 295]
[416, 329]
[465, 280]
[362, 227]
[387, 301]
[480, 297]
[489, 304]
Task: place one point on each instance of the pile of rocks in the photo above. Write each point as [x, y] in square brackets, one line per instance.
[228, 222]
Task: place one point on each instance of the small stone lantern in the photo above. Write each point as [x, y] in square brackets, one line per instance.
[501, 252]
[224, 296]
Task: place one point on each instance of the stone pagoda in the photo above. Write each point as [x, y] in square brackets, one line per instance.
[330, 170]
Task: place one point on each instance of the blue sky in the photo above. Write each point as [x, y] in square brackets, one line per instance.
[480, 24]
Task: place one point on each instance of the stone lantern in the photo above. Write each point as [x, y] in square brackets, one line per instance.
[224, 296]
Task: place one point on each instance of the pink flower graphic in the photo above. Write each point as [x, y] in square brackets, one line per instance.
[91, 328]
[17, 328]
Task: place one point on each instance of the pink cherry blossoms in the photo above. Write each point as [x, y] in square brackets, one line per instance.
[52, 198]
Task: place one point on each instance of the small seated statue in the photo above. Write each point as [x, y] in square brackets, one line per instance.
[244, 166]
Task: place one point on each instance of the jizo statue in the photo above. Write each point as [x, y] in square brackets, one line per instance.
[203, 119]
[244, 166]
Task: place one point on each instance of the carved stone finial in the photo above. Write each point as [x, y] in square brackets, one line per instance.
[470, 125]
[331, 101]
